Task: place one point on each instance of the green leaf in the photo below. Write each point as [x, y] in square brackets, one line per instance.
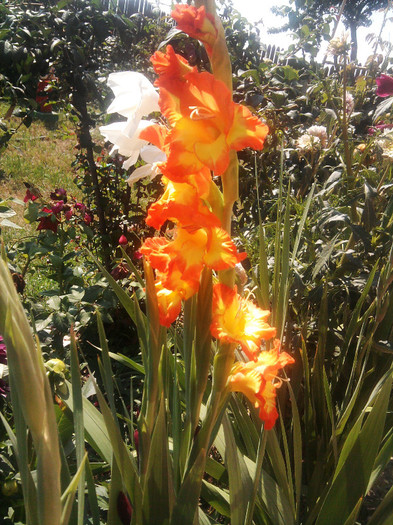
[106, 369]
[115, 488]
[78, 424]
[123, 296]
[324, 256]
[384, 512]
[124, 459]
[273, 497]
[96, 433]
[158, 494]
[92, 495]
[356, 460]
[69, 495]
[383, 107]
[127, 361]
[297, 448]
[240, 482]
[186, 504]
[290, 73]
[203, 343]
[216, 498]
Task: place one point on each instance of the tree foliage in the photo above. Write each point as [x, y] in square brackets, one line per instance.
[356, 13]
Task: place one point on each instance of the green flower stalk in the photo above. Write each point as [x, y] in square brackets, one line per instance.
[32, 403]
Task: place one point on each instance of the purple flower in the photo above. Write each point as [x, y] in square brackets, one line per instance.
[60, 194]
[4, 389]
[385, 86]
[379, 127]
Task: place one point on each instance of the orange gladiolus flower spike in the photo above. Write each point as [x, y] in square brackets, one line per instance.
[196, 23]
[182, 203]
[258, 381]
[206, 124]
[169, 304]
[236, 320]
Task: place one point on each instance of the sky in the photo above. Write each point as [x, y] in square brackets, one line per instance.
[256, 10]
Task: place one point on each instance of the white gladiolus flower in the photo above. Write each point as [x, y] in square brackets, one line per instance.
[126, 145]
[152, 156]
[135, 97]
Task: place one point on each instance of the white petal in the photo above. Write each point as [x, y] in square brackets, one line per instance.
[140, 173]
[152, 154]
[135, 95]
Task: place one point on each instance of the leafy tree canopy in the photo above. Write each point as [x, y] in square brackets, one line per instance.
[356, 13]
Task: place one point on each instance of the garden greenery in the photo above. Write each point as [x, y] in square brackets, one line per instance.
[256, 385]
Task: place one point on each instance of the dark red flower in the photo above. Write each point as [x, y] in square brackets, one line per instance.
[30, 196]
[123, 240]
[49, 221]
[136, 440]
[124, 508]
[385, 86]
[87, 218]
[120, 271]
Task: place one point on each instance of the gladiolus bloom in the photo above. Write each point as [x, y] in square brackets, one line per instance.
[258, 381]
[206, 124]
[169, 304]
[171, 66]
[135, 97]
[196, 23]
[182, 203]
[385, 86]
[179, 264]
[236, 320]
[191, 250]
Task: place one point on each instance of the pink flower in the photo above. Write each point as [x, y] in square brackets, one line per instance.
[385, 86]
[4, 389]
[58, 207]
[80, 206]
[123, 240]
